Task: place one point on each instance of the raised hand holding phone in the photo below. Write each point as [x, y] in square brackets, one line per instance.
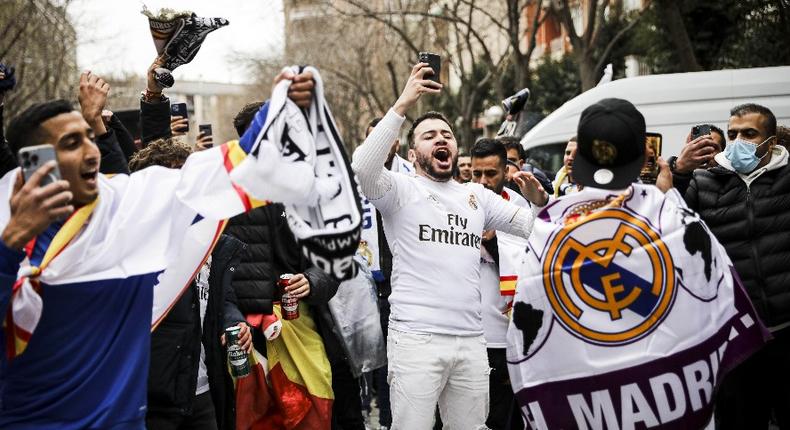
[416, 86]
[205, 139]
[34, 207]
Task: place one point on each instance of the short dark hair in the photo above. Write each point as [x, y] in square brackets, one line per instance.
[487, 147]
[748, 108]
[243, 119]
[573, 139]
[372, 124]
[421, 118]
[24, 130]
[512, 142]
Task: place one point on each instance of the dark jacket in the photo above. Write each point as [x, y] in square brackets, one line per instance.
[125, 139]
[7, 160]
[272, 251]
[112, 157]
[154, 120]
[175, 344]
[753, 224]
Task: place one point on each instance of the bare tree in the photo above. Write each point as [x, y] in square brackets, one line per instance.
[40, 41]
[586, 44]
[481, 42]
[673, 18]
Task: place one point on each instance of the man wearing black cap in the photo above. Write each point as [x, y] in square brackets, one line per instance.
[617, 290]
[607, 155]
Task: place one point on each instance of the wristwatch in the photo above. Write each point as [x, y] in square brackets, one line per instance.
[673, 160]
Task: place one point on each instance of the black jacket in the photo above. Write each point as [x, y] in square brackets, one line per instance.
[125, 139]
[753, 224]
[113, 159]
[175, 344]
[7, 160]
[154, 120]
[272, 251]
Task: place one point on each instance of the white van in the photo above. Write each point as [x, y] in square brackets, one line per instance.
[671, 104]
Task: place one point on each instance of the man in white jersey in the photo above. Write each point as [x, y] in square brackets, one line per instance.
[500, 255]
[435, 347]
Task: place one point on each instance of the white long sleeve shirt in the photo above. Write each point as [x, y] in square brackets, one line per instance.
[434, 231]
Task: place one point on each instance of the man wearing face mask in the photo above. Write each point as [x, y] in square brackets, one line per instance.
[745, 201]
[435, 347]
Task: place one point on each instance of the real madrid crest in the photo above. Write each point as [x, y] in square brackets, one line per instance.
[472, 201]
[603, 152]
[609, 277]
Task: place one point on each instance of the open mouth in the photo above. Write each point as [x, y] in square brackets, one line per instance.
[442, 155]
[90, 176]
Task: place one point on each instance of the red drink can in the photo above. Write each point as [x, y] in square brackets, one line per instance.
[288, 303]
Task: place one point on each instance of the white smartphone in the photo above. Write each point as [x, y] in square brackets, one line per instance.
[31, 158]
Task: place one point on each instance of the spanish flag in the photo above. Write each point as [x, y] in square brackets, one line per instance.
[299, 394]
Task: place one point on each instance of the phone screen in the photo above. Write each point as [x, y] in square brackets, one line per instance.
[650, 170]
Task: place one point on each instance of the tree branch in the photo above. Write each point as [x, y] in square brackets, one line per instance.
[605, 54]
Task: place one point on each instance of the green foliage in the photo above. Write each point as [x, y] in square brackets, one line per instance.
[553, 83]
[723, 34]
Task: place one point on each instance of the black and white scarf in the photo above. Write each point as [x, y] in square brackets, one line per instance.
[327, 224]
[178, 37]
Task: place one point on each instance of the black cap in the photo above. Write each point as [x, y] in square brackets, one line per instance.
[611, 145]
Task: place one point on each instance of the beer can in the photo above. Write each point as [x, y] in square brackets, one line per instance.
[288, 303]
[239, 362]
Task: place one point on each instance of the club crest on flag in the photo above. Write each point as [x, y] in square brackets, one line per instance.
[609, 278]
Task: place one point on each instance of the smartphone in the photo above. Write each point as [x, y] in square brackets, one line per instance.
[434, 61]
[180, 109]
[700, 130]
[33, 157]
[204, 129]
[649, 173]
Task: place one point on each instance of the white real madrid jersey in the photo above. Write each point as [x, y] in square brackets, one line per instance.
[434, 230]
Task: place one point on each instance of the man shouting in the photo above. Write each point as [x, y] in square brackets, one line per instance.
[436, 348]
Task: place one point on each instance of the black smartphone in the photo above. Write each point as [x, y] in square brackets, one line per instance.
[434, 61]
[204, 129]
[650, 170]
[180, 109]
[700, 130]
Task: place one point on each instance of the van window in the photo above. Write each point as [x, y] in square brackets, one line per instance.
[547, 157]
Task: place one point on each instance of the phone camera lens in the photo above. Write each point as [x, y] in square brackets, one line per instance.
[34, 159]
[26, 164]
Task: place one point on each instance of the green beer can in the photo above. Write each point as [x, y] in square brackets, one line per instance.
[239, 363]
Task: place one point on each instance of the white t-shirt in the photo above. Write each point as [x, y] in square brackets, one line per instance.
[434, 231]
[201, 280]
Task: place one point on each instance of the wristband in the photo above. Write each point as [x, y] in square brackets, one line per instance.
[149, 96]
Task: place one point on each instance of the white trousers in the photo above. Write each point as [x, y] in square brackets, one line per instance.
[426, 369]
